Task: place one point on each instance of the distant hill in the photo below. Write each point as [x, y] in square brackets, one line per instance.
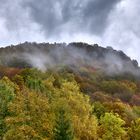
[46, 55]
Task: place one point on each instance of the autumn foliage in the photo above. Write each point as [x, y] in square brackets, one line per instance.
[64, 105]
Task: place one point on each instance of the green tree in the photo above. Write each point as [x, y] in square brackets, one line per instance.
[98, 109]
[63, 129]
[35, 84]
[7, 94]
[136, 110]
[111, 127]
[134, 131]
[123, 110]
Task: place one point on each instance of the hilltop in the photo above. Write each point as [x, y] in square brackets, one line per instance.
[45, 55]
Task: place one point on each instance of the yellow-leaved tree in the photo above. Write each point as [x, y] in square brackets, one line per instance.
[30, 117]
[78, 105]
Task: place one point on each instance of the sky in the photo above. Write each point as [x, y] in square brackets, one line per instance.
[113, 23]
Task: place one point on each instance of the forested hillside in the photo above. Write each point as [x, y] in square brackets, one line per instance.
[68, 92]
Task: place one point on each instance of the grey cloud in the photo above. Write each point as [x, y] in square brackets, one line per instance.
[13, 14]
[55, 16]
[96, 14]
[124, 31]
[16, 25]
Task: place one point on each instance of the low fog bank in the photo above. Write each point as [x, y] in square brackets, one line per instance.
[45, 56]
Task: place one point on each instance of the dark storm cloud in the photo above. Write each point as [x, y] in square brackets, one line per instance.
[96, 14]
[55, 16]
